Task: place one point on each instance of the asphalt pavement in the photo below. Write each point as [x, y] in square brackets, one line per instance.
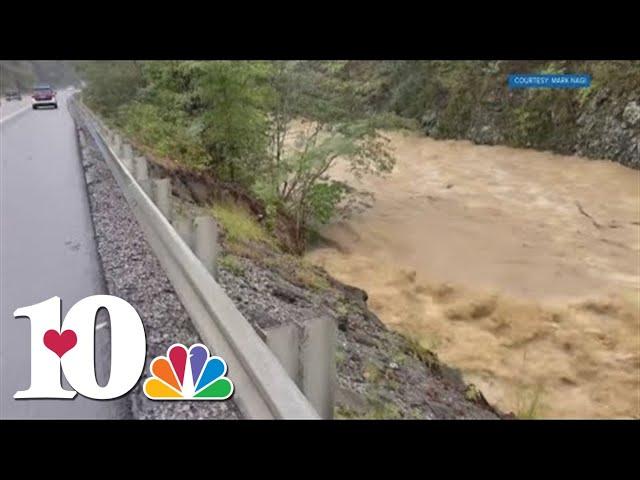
[12, 108]
[47, 249]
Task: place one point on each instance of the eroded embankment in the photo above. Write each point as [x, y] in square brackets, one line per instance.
[520, 267]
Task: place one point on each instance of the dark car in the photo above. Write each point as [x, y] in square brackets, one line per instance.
[12, 95]
[44, 95]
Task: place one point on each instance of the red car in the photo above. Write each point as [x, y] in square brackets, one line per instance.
[44, 96]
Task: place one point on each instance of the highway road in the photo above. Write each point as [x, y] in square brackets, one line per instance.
[13, 108]
[47, 249]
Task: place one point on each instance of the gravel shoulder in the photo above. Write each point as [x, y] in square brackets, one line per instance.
[133, 273]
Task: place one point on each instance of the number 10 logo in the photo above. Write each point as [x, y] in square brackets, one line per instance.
[70, 347]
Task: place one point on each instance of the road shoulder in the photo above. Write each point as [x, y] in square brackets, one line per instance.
[133, 273]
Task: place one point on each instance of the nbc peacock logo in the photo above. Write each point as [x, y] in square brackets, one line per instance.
[188, 374]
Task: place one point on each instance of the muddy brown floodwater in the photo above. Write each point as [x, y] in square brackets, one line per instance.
[519, 267]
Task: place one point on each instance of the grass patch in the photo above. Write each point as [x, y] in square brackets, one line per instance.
[240, 226]
[232, 264]
[246, 238]
[342, 308]
[297, 271]
[472, 393]
[372, 373]
[344, 413]
[529, 402]
[341, 357]
[415, 349]
[383, 411]
[308, 277]
[379, 411]
[399, 358]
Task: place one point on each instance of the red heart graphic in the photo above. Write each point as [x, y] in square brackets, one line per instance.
[60, 343]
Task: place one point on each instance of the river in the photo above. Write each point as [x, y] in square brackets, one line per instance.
[519, 267]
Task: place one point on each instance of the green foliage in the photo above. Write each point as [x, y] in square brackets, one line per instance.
[382, 410]
[455, 118]
[372, 373]
[210, 114]
[376, 410]
[280, 128]
[233, 122]
[112, 83]
[295, 174]
[167, 136]
[16, 74]
[304, 186]
[618, 76]
[529, 125]
[544, 119]
[459, 95]
[24, 74]
[584, 94]
[344, 413]
[324, 198]
[415, 349]
[235, 118]
[554, 68]
[232, 264]
[239, 225]
[392, 121]
[472, 393]
[418, 86]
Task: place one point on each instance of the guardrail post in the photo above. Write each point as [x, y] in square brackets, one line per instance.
[206, 243]
[81, 137]
[308, 355]
[318, 364]
[117, 144]
[184, 227]
[127, 157]
[162, 196]
[141, 172]
[284, 342]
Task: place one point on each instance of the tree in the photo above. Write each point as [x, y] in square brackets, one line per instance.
[275, 127]
[233, 122]
[222, 105]
[324, 109]
[112, 84]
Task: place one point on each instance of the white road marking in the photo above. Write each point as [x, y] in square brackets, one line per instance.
[100, 326]
[11, 115]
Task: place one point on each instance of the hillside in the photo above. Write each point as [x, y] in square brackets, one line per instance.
[470, 100]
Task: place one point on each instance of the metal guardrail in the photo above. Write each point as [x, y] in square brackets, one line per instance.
[263, 389]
